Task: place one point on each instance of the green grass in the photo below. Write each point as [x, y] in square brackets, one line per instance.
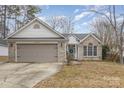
[88, 74]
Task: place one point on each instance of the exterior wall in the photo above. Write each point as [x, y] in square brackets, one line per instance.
[11, 51]
[86, 42]
[61, 50]
[3, 51]
[72, 40]
[42, 32]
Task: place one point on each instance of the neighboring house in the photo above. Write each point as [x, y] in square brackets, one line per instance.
[38, 42]
[3, 48]
[84, 46]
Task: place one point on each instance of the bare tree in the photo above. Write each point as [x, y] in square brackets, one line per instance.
[62, 24]
[117, 27]
[104, 30]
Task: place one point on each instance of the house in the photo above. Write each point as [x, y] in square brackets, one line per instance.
[84, 46]
[38, 42]
[3, 48]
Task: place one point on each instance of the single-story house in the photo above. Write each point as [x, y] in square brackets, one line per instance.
[38, 42]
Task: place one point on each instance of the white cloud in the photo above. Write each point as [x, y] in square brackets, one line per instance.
[85, 23]
[95, 7]
[76, 10]
[81, 15]
[120, 19]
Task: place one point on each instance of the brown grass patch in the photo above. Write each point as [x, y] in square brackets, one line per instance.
[88, 74]
[3, 58]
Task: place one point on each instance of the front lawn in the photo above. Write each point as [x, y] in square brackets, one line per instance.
[3, 58]
[88, 74]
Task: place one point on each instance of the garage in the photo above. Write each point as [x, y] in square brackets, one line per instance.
[37, 52]
[36, 41]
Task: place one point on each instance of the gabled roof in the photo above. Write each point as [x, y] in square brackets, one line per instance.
[40, 21]
[93, 35]
[82, 37]
[79, 36]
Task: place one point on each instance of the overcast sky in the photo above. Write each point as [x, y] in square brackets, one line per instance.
[80, 14]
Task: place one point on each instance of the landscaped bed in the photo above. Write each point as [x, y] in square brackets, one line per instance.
[88, 74]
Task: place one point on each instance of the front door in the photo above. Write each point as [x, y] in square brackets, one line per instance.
[71, 49]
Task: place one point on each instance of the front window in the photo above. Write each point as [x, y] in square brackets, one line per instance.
[90, 50]
[85, 50]
[95, 50]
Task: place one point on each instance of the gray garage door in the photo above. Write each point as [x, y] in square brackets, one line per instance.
[37, 52]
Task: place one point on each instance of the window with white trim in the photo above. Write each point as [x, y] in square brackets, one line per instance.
[85, 50]
[90, 50]
[95, 50]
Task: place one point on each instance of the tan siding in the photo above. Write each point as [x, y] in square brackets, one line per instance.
[30, 32]
[12, 51]
[72, 40]
[61, 52]
[86, 42]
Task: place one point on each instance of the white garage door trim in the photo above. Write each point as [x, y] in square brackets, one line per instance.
[42, 43]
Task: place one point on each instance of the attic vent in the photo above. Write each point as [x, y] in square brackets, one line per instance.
[36, 26]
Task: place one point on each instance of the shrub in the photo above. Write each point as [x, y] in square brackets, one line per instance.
[105, 51]
[69, 58]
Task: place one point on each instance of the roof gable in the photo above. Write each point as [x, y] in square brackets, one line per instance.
[92, 35]
[36, 29]
[73, 39]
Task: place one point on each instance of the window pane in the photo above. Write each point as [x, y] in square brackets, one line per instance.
[95, 50]
[85, 50]
[89, 50]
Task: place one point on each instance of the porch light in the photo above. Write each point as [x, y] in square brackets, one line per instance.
[11, 45]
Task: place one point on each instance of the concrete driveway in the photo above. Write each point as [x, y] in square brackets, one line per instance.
[23, 75]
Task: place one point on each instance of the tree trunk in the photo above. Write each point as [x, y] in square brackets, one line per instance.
[121, 57]
[4, 32]
[121, 48]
